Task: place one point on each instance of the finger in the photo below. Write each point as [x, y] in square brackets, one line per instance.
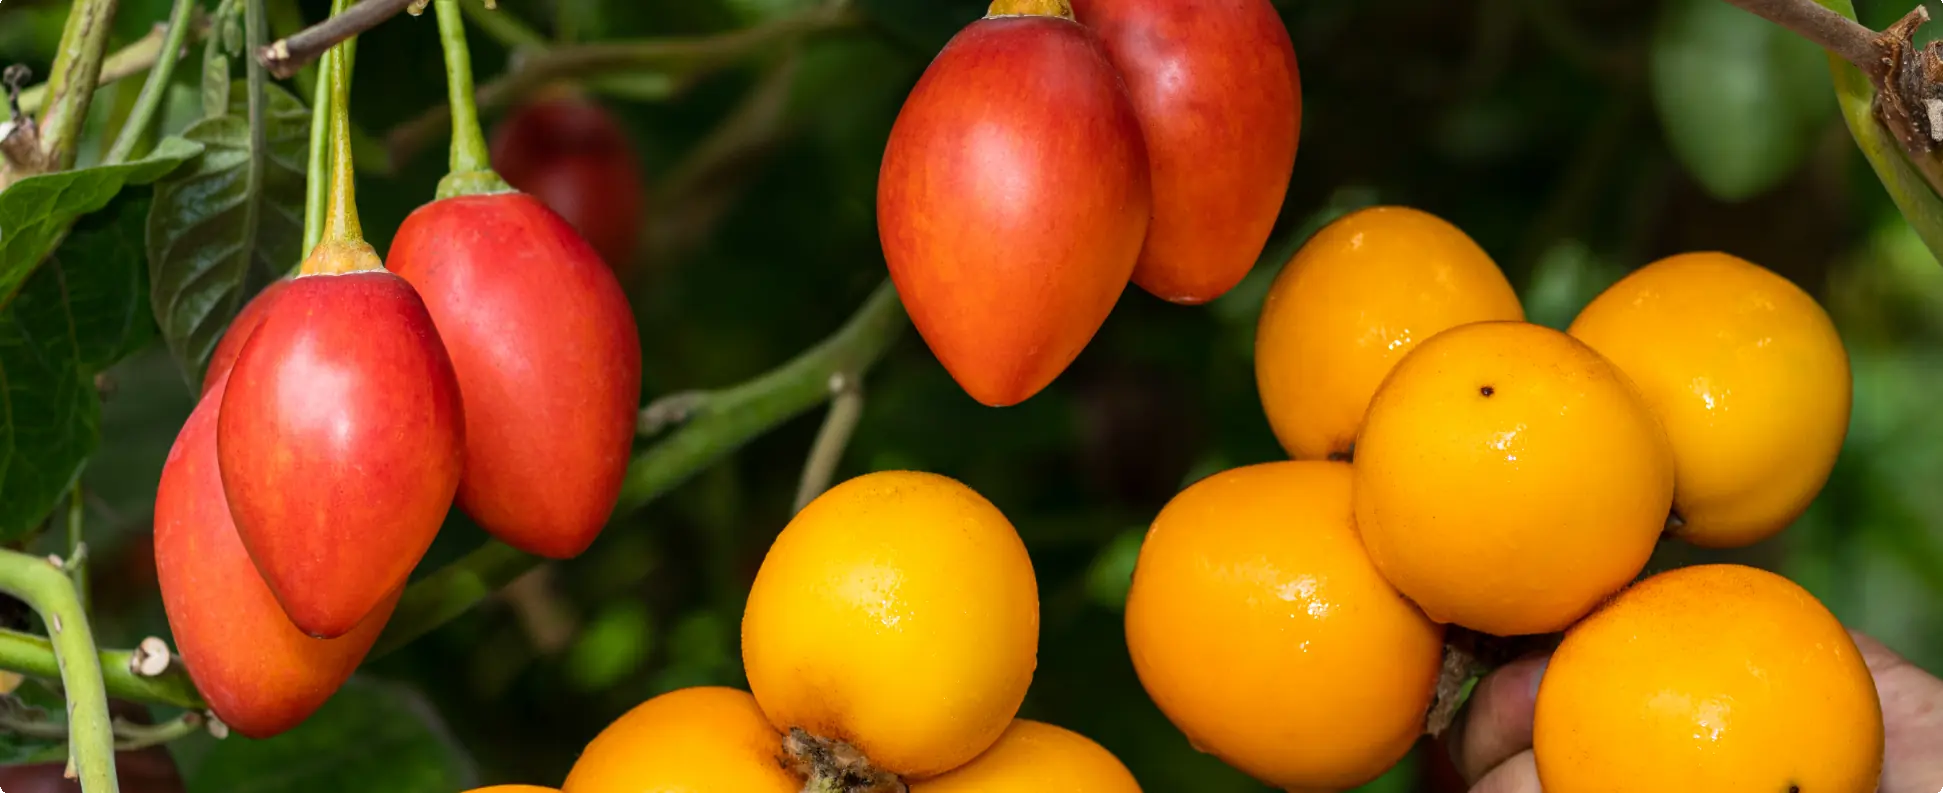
[1912, 715]
[1516, 775]
[1497, 719]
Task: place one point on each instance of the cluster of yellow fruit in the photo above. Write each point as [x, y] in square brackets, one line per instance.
[889, 640]
[1457, 465]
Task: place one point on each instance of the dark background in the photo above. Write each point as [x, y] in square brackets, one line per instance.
[1574, 141]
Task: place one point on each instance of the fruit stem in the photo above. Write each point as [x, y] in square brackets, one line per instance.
[1030, 8]
[46, 588]
[316, 183]
[343, 249]
[471, 171]
[155, 87]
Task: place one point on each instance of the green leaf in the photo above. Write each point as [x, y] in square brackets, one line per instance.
[76, 316]
[36, 211]
[229, 222]
[1741, 98]
[372, 737]
[1906, 186]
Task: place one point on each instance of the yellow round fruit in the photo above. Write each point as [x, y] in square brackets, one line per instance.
[1034, 757]
[1358, 295]
[701, 738]
[1706, 679]
[1746, 372]
[1509, 478]
[896, 613]
[1259, 626]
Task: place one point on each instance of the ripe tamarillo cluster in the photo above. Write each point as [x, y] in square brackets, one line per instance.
[1459, 468]
[1054, 151]
[889, 640]
[496, 363]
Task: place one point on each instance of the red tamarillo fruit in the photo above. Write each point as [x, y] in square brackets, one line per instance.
[1219, 97]
[239, 331]
[1013, 198]
[259, 673]
[340, 439]
[571, 154]
[548, 359]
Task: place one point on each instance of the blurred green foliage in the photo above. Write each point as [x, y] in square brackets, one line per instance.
[1574, 141]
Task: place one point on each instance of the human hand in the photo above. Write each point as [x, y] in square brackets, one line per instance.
[1491, 745]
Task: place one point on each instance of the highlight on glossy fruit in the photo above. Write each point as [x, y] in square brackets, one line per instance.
[1508, 478]
[340, 439]
[1749, 377]
[896, 614]
[1709, 678]
[1349, 304]
[705, 738]
[258, 672]
[548, 360]
[239, 331]
[1219, 96]
[1260, 627]
[1032, 757]
[573, 155]
[1013, 199]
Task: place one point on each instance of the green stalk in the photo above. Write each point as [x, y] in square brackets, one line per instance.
[317, 180]
[91, 738]
[471, 167]
[341, 210]
[34, 656]
[142, 118]
[71, 83]
[77, 550]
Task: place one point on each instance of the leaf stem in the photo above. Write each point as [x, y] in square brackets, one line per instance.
[285, 56]
[690, 56]
[71, 83]
[471, 165]
[91, 741]
[141, 119]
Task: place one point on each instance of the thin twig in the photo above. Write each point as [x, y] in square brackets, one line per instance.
[846, 409]
[1834, 32]
[285, 56]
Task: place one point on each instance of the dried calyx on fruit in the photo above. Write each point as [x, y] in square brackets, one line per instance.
[341, 432]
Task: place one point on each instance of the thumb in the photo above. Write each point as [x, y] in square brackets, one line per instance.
[1912, 717]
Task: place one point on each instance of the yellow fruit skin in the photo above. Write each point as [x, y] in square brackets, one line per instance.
[705, 738]
[1709, 679]
[1358, 295]
[1749, 377]
[1517, 512]
[514, 789]
[1034, 757]
[1259, 626]
[898, 613]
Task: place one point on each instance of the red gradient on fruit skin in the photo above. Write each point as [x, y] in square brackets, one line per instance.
[239, 331]
[259, 673]
[1219, 96]
[1012, 202]
[340, 439]
[576, 159]
[548, 358]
